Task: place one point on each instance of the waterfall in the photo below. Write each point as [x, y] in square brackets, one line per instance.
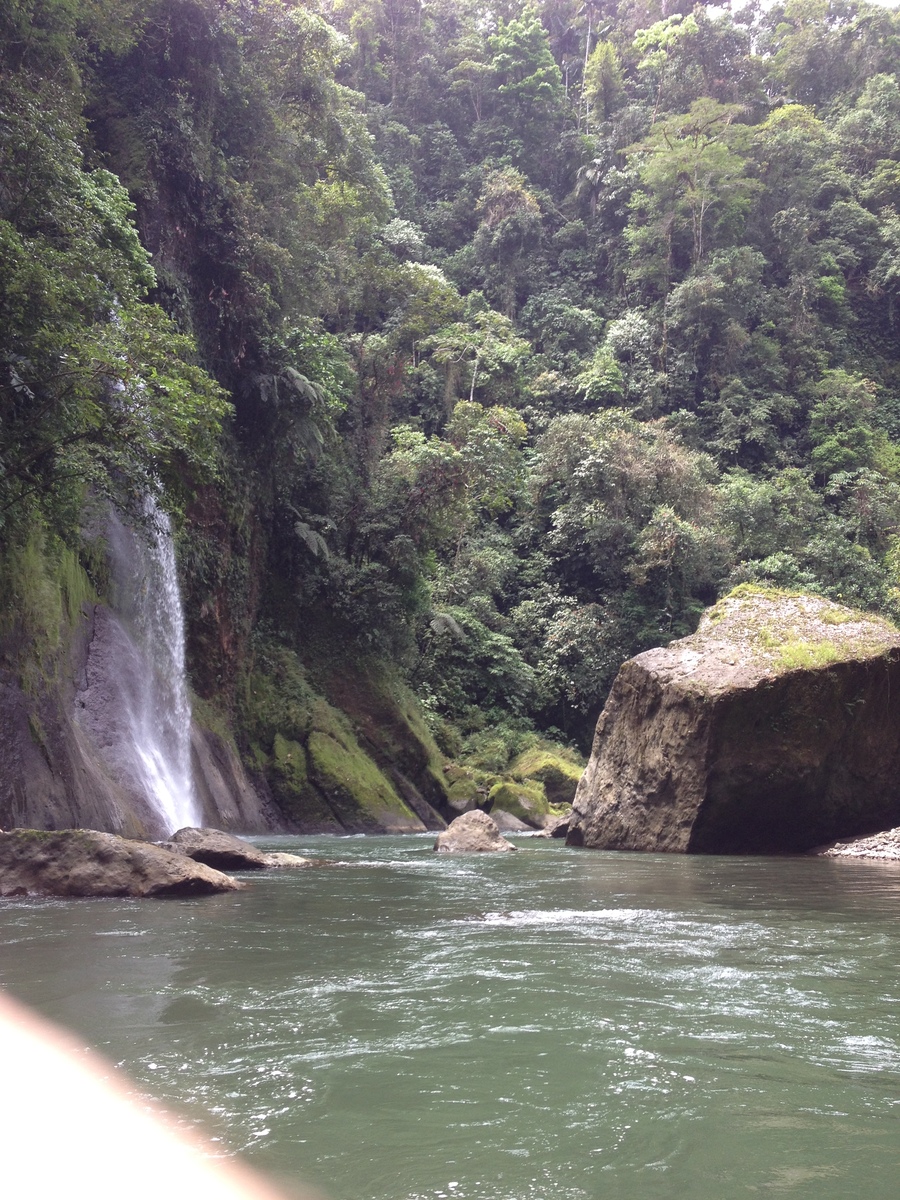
[149, 744]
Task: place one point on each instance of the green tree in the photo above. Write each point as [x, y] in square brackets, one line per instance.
[527, 107]
[481, 351]
[695, 190]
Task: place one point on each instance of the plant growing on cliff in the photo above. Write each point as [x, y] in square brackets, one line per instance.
[97, 386]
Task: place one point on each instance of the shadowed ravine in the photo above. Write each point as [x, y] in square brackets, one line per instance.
[552, 1024]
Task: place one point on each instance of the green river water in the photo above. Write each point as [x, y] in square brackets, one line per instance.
[550, 1025]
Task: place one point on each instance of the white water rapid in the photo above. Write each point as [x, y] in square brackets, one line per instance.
[154, 726]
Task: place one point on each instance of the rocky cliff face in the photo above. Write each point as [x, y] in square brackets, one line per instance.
[59, 738]
[96, 726]
[775, 728]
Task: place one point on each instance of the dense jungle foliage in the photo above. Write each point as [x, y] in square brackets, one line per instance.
[492, 340]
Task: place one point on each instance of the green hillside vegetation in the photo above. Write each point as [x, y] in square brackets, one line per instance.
[476, 347]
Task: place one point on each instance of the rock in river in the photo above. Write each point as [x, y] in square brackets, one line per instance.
[217, 849]
[84, 862]
[281, 860]
[472, 833]
[775, 728]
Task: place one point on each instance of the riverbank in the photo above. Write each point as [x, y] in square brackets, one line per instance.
[884, 845]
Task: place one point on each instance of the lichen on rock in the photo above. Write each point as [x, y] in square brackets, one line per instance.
[774, 728]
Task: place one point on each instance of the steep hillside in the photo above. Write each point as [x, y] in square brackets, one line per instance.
[470, 349]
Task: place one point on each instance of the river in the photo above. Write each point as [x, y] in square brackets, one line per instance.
[551, 1025]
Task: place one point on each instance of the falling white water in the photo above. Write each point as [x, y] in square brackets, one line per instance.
[156, 711]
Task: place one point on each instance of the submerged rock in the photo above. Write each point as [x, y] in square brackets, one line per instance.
[283, 860]
[472, 833]
[217, 849]
[774, 728]
[84, 862]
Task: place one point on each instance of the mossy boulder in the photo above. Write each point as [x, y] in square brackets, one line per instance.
[558, 770]
[465, 794]
[774, 728]
[526, 801]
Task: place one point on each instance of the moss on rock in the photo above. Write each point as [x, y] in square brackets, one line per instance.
[289, 779]
[276, 698]
[358, 756]
[358, 793]
[465, 794]
[766, 632]
[558, 769]
[388, 726]
[527, 801]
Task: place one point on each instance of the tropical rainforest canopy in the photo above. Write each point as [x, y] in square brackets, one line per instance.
[491, 340]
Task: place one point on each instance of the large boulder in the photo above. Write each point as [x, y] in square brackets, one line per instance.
[217, 849]
[775, 728]
[84, 862]
[472, 833]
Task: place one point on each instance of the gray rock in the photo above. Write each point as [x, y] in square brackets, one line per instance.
[507, 822]
[217, 849]
[84, 862]
[775, 728]
[558, 827]
[280, 859]
[61, 741]
[228, 798]
[472, 833]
